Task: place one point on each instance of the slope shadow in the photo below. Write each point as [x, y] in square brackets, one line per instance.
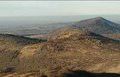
[80, 73]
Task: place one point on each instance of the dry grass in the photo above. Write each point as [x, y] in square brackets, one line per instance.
[74, 51]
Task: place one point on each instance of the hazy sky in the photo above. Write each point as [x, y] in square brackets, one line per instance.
[58, 8]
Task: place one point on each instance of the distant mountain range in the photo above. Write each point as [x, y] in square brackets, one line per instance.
[98, 25]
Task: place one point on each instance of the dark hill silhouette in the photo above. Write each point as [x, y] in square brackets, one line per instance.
[80, 73]
[19, 39]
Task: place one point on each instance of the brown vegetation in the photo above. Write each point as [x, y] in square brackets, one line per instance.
[67, 51]
[71, 49]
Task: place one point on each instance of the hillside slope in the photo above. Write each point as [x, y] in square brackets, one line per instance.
[70, 49]
[10, 46]
[67, 50]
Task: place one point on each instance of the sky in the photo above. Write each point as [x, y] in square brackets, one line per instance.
[58, 8]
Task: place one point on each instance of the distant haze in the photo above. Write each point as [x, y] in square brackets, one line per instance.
[42, 23]
[40, 15]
